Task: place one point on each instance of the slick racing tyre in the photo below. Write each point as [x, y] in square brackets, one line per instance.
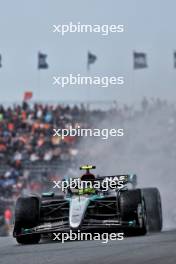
[27, 213]
[132, 208]
[153, 209]
[28, 239]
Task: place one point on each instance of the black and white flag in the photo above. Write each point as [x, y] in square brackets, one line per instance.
[91, 58]
[42, 63]
[140, 60]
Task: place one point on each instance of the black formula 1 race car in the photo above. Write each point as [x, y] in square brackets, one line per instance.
[89, 207]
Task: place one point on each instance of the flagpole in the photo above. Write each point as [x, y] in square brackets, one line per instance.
[42, 64]
[38, 75]
[133, 74]
[91, 58]
[87, 92]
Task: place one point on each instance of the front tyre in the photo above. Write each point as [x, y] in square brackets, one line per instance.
[28, 239]
[132, 208]
[27, 213]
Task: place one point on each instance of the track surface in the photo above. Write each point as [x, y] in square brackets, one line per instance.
[153, 249]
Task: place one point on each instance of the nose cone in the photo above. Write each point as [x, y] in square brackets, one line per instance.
[78, 206]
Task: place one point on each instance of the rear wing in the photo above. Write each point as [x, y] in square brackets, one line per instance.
[126, 178]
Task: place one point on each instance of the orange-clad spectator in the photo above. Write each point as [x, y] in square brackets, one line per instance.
[69, 139]
[2, 147]
[56, 140]
[23, 115]
[11, 127]
[35, 187]
[35, 126]
[46, 126]
[7, 216]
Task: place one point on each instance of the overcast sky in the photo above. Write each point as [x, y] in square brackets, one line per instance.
[26, 28]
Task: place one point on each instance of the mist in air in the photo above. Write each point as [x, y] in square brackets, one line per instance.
[148, 148]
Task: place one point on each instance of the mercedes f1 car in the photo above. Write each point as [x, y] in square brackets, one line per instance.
[128, 208]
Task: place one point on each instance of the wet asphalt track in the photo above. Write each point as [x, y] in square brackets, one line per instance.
[153, 249]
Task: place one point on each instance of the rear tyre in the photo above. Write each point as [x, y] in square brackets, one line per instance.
[27, 213]
[132, 207]
[153, 209]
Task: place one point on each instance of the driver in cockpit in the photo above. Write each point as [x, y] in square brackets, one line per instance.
[87, 177]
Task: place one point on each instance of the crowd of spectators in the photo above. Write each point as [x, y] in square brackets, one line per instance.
[25, 132]
[26, 138]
